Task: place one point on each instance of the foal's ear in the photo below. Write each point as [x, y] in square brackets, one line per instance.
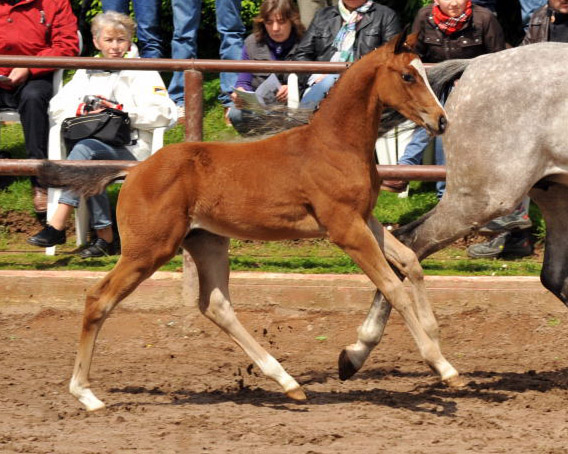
[406, 42]
[400, 44]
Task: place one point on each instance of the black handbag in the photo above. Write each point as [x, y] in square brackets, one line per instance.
[111, 126]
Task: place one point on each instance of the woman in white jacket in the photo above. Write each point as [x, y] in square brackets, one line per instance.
[140, 93]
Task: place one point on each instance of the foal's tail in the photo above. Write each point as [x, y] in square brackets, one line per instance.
[86, 181]
[442, 75]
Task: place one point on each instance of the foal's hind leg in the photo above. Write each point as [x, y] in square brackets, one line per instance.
[553, 204]
[358, 241]
[210, 253]
[141, 256]
[101, 300]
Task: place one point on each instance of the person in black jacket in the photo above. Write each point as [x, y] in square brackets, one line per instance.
[344, 32]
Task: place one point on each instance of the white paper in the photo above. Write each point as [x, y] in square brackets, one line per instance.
[263, 97]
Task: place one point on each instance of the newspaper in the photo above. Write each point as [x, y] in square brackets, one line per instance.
[263, 97]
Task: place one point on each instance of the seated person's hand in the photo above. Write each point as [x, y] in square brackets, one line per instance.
[282, 94]
[18, 76]
[238, 102]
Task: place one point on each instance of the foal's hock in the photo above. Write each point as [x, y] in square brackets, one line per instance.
[317, 180]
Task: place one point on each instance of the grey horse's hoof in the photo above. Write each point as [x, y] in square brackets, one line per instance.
[345, 367]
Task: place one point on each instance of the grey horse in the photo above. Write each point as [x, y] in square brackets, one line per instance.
[508, 121]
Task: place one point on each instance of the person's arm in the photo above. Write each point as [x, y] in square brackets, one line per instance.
[391, 26]
[62, 28]
[66, 102]
[494, 38]
[145, 97]
[244, 80]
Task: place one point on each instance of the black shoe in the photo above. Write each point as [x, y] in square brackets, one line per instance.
[518, 246]
[490, 249]
[48, 237]
[98, 248]
[506, 223]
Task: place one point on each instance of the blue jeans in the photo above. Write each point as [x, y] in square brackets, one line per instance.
[414, 152]
[99, 205]
[528, 7]
[186, 17]
[314, 94]
[147, 14]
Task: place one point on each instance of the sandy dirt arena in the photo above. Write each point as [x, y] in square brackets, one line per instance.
[174, 383]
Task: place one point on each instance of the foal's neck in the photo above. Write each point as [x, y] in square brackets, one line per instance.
[351, 112]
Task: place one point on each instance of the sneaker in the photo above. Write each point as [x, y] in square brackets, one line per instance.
[181, 113]
[98, 248]
[396, 186]
[48, 237]
[489, 249]
[518, 246]
[506, 223]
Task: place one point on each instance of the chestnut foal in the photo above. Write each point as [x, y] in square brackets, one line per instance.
[317, 180]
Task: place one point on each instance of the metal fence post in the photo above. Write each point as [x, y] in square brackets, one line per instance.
[193, 86]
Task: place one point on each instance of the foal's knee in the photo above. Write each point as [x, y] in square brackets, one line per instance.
[410, 266]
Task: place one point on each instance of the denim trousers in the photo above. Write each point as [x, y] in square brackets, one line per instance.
[414, 152]
[186, 17]
[528, 7]
[99, 205]
[314, 94]
[147, 14]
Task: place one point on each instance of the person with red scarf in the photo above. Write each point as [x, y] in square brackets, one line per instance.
[448, 29]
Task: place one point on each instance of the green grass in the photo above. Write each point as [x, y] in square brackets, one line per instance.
[317, 256]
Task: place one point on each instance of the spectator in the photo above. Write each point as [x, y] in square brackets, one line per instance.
[276, 32]
[448, 29]
[33, 27]
[528, 7]
[489, 4]
[141, 93]
[344, 32]
[548, 23]
[147, 13]
[187, 16]
[308, 9]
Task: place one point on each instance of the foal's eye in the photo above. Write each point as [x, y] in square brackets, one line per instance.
[408, 77]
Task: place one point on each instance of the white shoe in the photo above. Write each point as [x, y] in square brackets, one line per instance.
[181, 114]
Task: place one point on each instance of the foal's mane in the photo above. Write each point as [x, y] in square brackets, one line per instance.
[281, 118]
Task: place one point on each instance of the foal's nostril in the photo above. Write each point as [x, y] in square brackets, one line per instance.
[442, 123]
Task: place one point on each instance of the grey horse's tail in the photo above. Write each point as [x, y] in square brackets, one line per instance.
[86, 181]
[442, 75]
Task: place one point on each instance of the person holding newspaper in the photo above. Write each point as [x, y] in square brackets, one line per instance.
[276, 32]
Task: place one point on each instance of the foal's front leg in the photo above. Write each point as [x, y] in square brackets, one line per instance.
[360, 243]
[210, 253]
[371, 331]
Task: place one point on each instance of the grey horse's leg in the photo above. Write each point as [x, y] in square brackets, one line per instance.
[553, 203]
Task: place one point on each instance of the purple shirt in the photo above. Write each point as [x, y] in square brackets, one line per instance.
[278, 51]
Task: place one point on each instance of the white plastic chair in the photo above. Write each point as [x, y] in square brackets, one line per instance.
[56, 151]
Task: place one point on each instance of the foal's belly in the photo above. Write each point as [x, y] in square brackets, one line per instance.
[277, 229]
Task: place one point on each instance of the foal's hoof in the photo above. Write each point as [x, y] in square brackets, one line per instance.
[297, 394]
[455, 382]
[345, 367]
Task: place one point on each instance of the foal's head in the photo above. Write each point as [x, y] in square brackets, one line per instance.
[402, 84]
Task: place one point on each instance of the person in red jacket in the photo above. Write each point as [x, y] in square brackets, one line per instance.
[38, 28]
